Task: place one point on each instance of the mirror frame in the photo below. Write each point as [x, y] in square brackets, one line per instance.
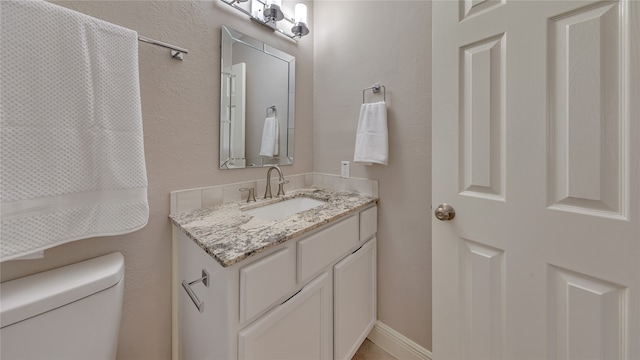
[229, 39]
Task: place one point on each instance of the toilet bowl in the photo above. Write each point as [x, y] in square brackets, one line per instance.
[72, 312]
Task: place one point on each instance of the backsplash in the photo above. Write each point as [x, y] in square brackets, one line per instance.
[190, 199]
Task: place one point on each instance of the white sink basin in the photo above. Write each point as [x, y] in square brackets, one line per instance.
[285, 208]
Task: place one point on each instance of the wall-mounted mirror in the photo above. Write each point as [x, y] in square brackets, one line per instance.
[257, 98]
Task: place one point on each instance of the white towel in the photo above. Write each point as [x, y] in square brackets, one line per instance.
[372, 144]
[71, 138]
[270, 138]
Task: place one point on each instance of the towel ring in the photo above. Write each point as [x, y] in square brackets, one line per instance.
[376, 89]
[275, 112]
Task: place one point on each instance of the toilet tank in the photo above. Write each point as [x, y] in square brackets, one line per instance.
[72, 312]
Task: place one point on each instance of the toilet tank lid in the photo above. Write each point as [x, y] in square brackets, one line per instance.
[32, 295]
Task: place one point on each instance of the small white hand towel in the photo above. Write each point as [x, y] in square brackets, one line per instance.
[372, 144]
[270, 138]
[71, 137]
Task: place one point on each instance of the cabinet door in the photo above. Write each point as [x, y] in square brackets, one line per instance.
[299, 329]
[202, 335]
[355, 300]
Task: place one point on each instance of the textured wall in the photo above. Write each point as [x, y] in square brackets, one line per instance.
[180, 105]
[359, 43]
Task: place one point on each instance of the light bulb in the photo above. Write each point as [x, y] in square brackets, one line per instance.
[300, 28]
[301, 13]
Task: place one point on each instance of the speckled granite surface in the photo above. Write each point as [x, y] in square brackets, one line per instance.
[230, 235]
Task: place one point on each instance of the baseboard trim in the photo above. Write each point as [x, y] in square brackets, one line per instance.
[397, 344]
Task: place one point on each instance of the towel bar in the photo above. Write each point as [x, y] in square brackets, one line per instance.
[376, 89]
[176, 52]
[187, 287]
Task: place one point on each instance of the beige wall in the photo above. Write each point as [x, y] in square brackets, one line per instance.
[180, 105]
[359, 43]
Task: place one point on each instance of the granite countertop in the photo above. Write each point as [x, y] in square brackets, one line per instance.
[230, 235]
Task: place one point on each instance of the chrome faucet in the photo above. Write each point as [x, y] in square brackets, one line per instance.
[281, 182]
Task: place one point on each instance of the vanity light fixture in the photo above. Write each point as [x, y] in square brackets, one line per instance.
[272, 11]
[300, 28]
[269, 12]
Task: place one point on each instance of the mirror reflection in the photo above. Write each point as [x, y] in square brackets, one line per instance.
[256, 103]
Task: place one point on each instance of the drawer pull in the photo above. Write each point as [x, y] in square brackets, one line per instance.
[187, 287]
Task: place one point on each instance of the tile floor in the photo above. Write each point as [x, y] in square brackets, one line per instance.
[371, 351]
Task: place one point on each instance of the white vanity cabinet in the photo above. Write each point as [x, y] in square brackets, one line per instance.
[307, 298]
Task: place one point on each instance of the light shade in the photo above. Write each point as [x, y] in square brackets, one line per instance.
[300, 13]
[272, 11]
[300, 28]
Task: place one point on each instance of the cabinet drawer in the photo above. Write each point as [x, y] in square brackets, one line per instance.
[368, 223]
[264, 282]
[326, 246]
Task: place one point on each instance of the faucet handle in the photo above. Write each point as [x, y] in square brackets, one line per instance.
[251, 197]
[281, 187]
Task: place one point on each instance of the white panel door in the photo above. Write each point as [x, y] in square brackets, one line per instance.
[238, 112]
[233, 115]
[536, 123]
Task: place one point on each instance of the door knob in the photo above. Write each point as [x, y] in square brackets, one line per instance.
[445, 212]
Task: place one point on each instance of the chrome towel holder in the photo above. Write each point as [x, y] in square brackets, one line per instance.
[275, 111]
[176, 52]
[187, 287]
[376, 89]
